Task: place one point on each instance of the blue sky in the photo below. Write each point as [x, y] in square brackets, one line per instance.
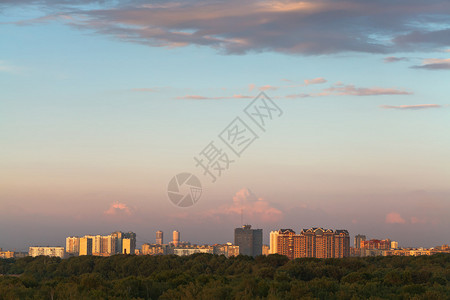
[101, 105]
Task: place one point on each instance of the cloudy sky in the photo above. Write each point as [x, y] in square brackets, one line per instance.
[103, 102]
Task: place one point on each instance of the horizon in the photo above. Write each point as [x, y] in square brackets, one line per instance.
[266, 241]
[109, 111]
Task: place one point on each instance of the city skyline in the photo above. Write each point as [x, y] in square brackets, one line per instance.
[103, 103]
[72, 243]
[317, 242]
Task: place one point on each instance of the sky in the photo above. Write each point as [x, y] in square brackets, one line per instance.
[102, 103]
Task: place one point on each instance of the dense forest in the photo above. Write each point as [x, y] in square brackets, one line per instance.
[205, 276]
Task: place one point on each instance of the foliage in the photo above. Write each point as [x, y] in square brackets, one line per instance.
[205, 276]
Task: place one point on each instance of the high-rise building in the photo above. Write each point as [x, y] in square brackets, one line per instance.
[101, 245]
[73, 245]
[120, 238]
[176, 238]
[285, 242]
[159, 237]
[313, 242]
[273, 242]
[108, 245]
[394, 245]
[118, 235]
[358, 239]
[249, 240]
[47, 251]
[85, 246]
[132, 237]
[96, 243]
[341, 243]
[126, 247]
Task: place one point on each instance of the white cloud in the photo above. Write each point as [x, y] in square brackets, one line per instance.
[8, 68]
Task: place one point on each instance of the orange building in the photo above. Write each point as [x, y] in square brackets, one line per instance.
[376, 244]
[285, 242]
[6, 254]
[313, 242]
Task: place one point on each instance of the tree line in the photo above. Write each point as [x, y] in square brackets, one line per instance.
[206, 276]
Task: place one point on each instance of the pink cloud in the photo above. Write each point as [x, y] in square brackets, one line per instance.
[417, 220]
[268, 87]
[435, 64]
[318, 80]
[118, 209]
[294, 96]
[354, 91]
[239, 96]
[198, 97]
[416, 106]
[251, 86]
[253, 208]
[394, 218]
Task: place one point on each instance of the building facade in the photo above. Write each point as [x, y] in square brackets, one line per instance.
[129, 239]
[227, 249]
[102, 245]
[85, 246]
[118, 235]
[394, 245]
[154, 249]
[313, 242]
[175, 238]
[192, 250]
[285, 243]
[273, 242]
[73, 245]
[376, 244]
[358, 239]
[249, 240]
[47, 251]
[159, 237]
[6, 254]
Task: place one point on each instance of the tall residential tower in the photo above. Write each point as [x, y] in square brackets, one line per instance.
[176, 238]
[159, 237]
[249, 240]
